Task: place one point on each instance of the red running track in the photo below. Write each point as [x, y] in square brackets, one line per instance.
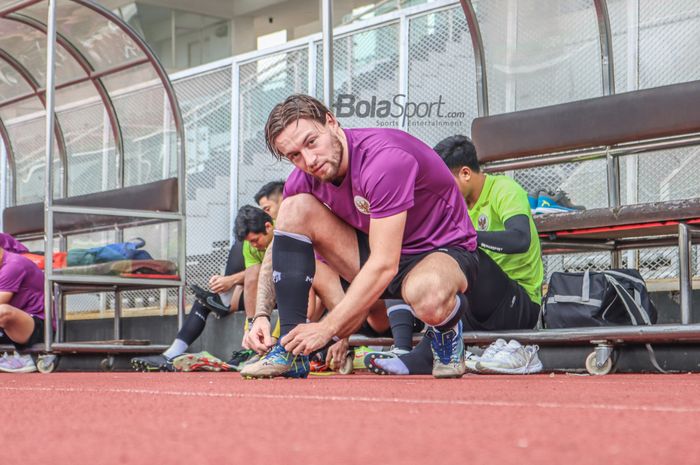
[218, 418]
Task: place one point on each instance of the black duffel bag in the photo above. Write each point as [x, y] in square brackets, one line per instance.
[605, 298]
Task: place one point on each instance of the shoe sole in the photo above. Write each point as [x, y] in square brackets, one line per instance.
[371, 366]
[19, 370]
[143, 367]
[190, 363]
[543, 210]
[511, 371]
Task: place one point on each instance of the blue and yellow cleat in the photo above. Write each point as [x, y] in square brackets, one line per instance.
[555, 203]
[278, 362]
[448, 352]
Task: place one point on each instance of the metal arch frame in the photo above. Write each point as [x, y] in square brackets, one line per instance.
[19, 6]
[89, 70]
[606, 46]
[27, 76]
[180, 129]
[11, 160]
[482, 92]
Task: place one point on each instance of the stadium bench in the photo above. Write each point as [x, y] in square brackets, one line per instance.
[26, 222]
[600, 128]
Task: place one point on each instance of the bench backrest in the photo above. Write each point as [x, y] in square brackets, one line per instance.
[604, 121]
[155, 196]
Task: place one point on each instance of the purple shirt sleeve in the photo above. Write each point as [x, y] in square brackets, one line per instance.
[389, 181]
[11, 279]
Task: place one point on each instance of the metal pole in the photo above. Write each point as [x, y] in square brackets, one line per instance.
[404, 40]
[48, 175]
[684, 275]
[606, 47]
[327, 31]
[613, 172]
[482, 94]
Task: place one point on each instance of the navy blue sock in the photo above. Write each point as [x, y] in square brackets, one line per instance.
[194, 323]
[402, 322]
[293, 269]
[419, 361]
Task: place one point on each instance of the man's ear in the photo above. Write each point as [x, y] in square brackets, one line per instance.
[331, 122]
[465, 173]
[268, 227]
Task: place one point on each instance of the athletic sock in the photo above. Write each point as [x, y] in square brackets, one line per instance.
[293, 268]
[419, 361]
[178, 347]
[394, 366]
[402, 322]
[461, 306]
[190, 331]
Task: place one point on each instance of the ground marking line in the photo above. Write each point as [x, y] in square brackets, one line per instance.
[390, 400]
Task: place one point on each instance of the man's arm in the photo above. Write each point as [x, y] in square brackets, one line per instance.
[265, 300]
[514, 239]
[250, 289]
[258, 336]
[5, 297]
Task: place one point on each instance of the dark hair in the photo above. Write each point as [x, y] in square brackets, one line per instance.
[269, 189]
[458, 151]
[250, 219]
[294, 108]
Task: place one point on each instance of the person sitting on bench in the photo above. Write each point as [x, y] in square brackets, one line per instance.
[239, 281]
[21, 309]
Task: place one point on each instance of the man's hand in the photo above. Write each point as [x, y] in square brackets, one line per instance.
[220, 284]
[258, 336]
[306, 338]
[337, 353]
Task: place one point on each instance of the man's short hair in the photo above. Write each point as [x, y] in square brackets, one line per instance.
[270, 189]
[294, 108]
[250, 219]
[458, 151]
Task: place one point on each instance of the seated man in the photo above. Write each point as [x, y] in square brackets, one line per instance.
[240, 280]
[508, 290]
[21, 309]
[384, 212]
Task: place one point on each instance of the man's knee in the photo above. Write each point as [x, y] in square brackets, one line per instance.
[295, 212]
[429, 297]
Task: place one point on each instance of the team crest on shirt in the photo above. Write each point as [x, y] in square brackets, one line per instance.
[362, 204]
[483, 222]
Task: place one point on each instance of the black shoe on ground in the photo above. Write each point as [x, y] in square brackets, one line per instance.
[239, 358]
[210, 300]
[150, 363]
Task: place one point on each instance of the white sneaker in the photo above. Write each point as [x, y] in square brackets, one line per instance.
[17, 364]
[514, 359]
[471, 360]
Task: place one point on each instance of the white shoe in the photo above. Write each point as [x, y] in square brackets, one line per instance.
[471, 360]
[17, 364]
[514, 359]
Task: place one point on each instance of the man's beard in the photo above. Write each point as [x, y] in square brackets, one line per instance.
[334, 163]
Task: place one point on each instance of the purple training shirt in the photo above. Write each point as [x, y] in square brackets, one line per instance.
[25, 280]
[389, 172]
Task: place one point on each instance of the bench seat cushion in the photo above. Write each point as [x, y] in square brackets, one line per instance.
[640, 220]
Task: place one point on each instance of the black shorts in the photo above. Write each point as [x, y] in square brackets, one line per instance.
[36, 337]
[468, 262]
[497, 302]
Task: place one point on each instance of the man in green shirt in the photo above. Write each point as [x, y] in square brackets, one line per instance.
[508, 290]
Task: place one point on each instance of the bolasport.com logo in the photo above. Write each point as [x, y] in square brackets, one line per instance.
[398, 111]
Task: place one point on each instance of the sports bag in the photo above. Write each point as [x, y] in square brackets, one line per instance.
[606, 298]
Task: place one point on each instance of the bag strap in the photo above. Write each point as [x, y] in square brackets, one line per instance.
[586, 287]
[628, 301]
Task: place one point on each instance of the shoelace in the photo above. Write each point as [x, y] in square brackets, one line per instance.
[492, 350]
